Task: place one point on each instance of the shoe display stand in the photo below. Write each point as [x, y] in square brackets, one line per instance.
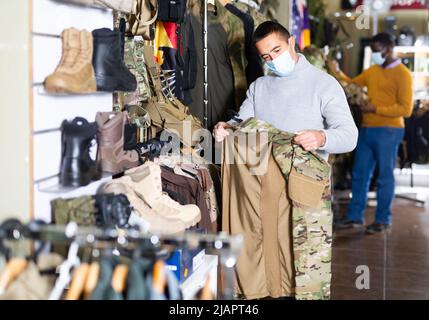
[197, 280]
[49, 110]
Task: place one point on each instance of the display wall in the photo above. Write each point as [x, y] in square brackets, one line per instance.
[31, 134]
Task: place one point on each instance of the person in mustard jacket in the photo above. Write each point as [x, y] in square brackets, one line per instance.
[390, 92]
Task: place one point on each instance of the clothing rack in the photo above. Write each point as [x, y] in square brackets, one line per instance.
[225, 246]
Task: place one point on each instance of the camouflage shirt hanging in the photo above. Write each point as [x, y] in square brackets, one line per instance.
[308, 183]
[134, 60]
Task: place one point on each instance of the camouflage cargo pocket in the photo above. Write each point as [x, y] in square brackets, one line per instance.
[305, 191]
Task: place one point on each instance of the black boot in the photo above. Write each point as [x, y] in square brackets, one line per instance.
[77, 168]
[113, 210]
[111, 72]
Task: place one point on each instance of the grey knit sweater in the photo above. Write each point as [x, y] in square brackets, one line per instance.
[308, 99]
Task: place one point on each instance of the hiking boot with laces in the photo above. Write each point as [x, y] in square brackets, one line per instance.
[146, 181]
[74, 73]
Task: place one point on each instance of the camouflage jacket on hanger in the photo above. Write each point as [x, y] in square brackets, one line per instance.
[309, 175]
[134, 60]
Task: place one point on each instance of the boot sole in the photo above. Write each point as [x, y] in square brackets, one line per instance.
[188, 224]
[61, 86]
[193, 222]
[70, 180]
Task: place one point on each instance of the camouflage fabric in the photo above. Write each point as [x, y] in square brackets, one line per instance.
[257, 16]
[81, 210]
[234, 28]
[312, 226]
[316, 57]
[136, 64]
[286, 153]
[141, 118]
[134, 60]
[269, 8]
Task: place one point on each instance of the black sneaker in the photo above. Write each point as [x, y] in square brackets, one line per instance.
[348, 224]
[376, 228]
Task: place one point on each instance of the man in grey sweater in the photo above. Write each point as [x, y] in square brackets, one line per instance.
[297, 97]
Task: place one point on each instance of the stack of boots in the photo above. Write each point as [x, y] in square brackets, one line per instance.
[114, 158]
[143, 216]
[74, 73]
[77, 168]
[111, 73]
[146, 181]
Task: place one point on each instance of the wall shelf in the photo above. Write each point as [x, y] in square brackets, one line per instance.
[52, 185]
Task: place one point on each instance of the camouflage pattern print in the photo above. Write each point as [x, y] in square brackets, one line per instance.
[312, 243]
[234, 28]
[312, 227]
[258, 17]
[135, 61]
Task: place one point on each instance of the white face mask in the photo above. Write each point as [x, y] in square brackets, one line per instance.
[377, 58]
[282, 66]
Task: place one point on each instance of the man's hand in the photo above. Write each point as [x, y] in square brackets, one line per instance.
[220, 131]
[367, 107]
[310, 140]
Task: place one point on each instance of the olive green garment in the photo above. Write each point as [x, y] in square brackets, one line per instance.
[81, 210]
[220, 74]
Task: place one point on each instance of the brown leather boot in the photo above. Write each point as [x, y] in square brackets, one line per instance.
[114, 158]
[74, 73]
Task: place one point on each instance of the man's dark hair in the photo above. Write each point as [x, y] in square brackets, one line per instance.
[268, 27]
[385, 39]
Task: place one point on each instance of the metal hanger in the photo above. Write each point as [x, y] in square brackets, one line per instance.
[66, 267]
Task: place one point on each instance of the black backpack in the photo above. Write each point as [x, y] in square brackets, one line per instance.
[172, 10]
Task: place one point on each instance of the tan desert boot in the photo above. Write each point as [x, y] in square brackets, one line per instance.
[146, 181]
[153, 222]
[75, 73]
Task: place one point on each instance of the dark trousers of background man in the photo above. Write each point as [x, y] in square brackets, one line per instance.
[376, 147]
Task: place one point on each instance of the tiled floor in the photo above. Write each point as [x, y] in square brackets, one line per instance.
[398, 261]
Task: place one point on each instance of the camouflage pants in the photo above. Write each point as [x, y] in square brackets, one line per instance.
[312, 241]
[308, 184]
